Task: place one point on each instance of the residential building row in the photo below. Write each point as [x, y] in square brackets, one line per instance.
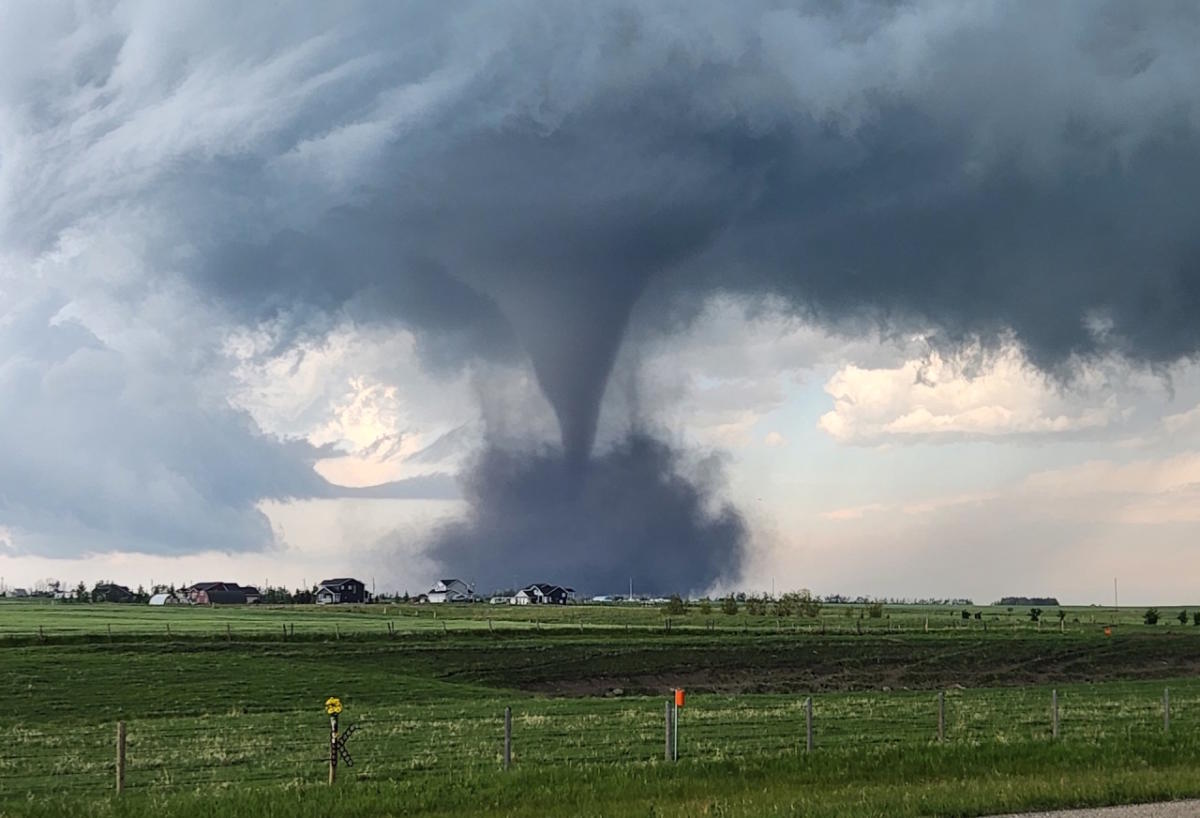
[538, 593]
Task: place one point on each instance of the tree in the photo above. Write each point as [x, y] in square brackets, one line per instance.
[675, 606]
[1183, 617]
[756, 605]
[1035, 614]
[705, 606]
[875, 611]
[786, 605]
[1196, 618]
[729, 605]
[810, 606]
[1150, 617]
[1061, 614]
[966, 614]
[81, 592]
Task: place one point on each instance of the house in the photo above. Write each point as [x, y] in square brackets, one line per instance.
[218, 597]
[341, 591]
[17, 593]
[220, 593]
[543, 593]
[451, 590]
[108, 592]
[164, 599]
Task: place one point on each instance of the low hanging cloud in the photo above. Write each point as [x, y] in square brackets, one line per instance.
[518, 182]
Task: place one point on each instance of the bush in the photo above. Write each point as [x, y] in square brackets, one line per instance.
[705, 606]
[1150, 617]
[1196, 618]
[966, 615]
[756, 605]
[1183, 617]
[729, 605]
[675, 606]
[876, 610]
[786, 605]
[1035, 614]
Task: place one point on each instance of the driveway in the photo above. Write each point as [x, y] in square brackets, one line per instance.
[1171, 809]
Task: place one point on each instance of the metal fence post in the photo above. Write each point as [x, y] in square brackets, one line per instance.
[120, 757]
[1054, 714]
[667, 745]
[941, 715]
[808, 725]
[507, 737]
[1166, 709]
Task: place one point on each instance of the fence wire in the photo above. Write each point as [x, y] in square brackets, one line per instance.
[455, 740]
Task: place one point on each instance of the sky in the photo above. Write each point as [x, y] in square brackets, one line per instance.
[890, 299]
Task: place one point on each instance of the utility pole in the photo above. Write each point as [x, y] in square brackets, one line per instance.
[1116, 605]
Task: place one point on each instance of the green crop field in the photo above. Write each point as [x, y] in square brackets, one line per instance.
[224, 713]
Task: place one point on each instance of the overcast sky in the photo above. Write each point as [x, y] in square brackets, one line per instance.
[895, 299]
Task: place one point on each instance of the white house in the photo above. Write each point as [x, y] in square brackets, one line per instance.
[451, 590]
[164, 599]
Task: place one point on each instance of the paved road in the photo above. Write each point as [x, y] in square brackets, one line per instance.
[1173, 809]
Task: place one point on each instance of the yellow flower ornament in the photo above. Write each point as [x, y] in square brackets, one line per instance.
[333, 705]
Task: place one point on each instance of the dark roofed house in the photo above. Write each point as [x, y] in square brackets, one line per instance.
[341, 591]
[218, 597]
[544, 593]
[108, 592]
[220, 593]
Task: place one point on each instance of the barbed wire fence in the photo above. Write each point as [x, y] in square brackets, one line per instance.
[165, 754]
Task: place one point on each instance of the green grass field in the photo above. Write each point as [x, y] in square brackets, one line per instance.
[228, 721]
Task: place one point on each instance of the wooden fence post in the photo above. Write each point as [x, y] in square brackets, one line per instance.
[229, 631]
[941, 715]
[507, 737]
[120, 757]
[168, 630]
[1054, 714]
[667, 740]
[808, 725]
[1166, 709]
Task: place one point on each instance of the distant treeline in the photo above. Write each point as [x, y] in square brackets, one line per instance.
[1048, 601]
[841, 599]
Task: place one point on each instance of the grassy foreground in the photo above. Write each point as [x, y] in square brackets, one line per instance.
[233, 726]
[891, 783]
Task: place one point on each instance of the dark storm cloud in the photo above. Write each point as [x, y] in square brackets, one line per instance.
[108, 451]
[515, 177]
